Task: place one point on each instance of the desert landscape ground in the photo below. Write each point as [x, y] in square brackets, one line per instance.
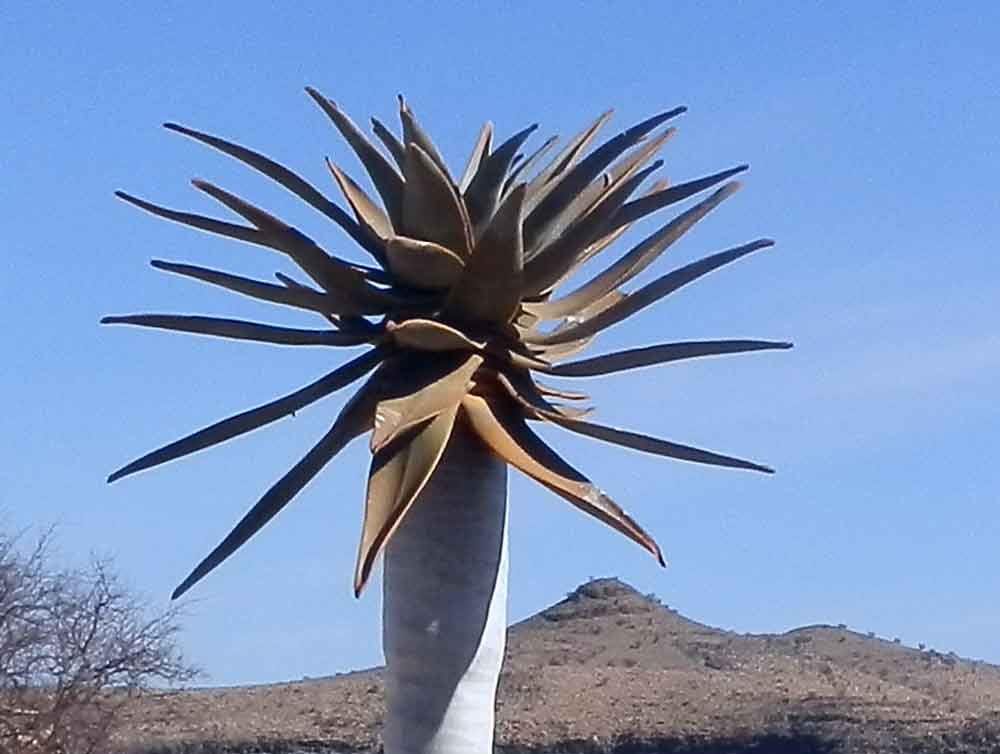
[611, 670]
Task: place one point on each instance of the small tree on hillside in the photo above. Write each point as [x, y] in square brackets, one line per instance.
[75, 647]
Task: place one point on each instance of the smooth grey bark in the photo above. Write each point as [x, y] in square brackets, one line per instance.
[444, 613]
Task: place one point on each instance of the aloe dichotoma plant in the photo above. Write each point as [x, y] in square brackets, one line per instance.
[462, 310]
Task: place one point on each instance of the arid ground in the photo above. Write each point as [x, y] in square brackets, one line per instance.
[608, 669]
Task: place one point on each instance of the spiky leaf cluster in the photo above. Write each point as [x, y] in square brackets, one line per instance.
[461, 312]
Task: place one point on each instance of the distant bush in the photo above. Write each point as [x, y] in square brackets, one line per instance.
[75, 647]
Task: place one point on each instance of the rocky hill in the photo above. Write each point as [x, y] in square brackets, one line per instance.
[608, 669]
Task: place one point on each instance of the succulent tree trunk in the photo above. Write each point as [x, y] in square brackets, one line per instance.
[445, 607]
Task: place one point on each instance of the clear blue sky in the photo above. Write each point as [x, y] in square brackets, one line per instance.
[872, 132]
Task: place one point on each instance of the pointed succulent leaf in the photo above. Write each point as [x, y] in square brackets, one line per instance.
[636, 358]
[392, 144]
[526, 392]
[294, 183]
[555, 392]
[334, 275]
[489, 289]
[211, 225]
[413, 133]
[276, 294]
[509, 437]
[430, 335]
[654, 445]
[635, 261]
[368, 214]
[423, 264]
[420, 393]
[545, 181]
[591, 196]
[643, 206]
[432, 210]
[352, 421]
[558, 258]
[650, 294]
[580, 175]
[399, 473]
[562, 351]
[240, 330]
[524, 166]
[480, 152]
[482, 197]
[254, 418]
[388, 183]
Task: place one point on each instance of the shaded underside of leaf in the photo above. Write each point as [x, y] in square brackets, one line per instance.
[660, 354]
[282, 175]
[242, 330]
[635, 261]
[254, 418]
[643, 206]
[649, 294]
[299, 298]
[354, 420]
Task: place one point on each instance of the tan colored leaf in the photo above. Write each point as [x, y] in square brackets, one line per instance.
[635, 261]
[240, 330]
[388, 138]
[254, 418]
[413, 133]
[555, 392]
[431, 208]
[524, 167]
[430, 335]
[580, 175]
[294, 183]
[386, 180]
[562, 255]
[424, 393]
[509, 437]
[339, 278]
[354, 420]
[489, 289]
[480, 152]
[482, 197]
[423, 264]
[591, 197]
[546, 180]
[649, 294]
[398, 474]
[368, 214]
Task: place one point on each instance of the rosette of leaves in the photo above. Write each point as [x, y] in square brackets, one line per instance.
[463, 309]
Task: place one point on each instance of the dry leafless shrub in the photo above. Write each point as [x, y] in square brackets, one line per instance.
[75, 647]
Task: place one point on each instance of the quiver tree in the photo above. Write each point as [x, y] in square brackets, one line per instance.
[464, 313]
